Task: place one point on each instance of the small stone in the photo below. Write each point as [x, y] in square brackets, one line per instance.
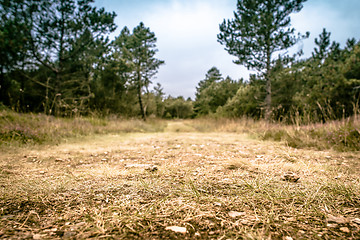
[331, 225]
[338, 220]
[291, 219]
[290, 177]
[288, 238]
[151, 168]
[104, 159]
[235, 214]
[177, 229]
[59, 160]
[37, 236]
[345, 229]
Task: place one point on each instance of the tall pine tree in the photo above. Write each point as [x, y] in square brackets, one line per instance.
[139, 50]
[259, 29]
[62, 30]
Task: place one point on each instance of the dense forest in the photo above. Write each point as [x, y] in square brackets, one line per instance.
[57, 59]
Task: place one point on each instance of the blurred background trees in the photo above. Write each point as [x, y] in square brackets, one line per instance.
[56, 58]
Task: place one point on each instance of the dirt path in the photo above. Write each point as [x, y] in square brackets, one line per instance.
[209, 185]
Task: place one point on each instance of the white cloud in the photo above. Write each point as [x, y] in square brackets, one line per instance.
[338, 17]
[187, 41]
[187, 33]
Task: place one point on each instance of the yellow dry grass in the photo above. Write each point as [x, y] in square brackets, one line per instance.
[211, 185]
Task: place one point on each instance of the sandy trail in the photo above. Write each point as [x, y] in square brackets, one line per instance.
[85, 188]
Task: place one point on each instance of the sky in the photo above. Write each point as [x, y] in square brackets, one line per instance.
[186, 32]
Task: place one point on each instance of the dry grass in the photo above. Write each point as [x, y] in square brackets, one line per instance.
[18, 129]
[215, 185]
[343, 135]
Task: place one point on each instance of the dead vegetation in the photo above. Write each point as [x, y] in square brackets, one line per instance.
[205, 186]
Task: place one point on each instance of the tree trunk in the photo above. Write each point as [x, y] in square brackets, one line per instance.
[139, 95]
[60, 67]
[2, 85]
[57, 98]
[268, 79]
[268, 96]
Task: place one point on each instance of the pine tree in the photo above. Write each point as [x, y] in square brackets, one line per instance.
[201, 106]
[323, 44]
[139, 49]
[259, 29]
[62, 30]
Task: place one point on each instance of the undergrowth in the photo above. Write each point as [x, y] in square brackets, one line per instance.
[338, 135]
[18, 128]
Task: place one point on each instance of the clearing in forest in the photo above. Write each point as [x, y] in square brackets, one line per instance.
[178, 184]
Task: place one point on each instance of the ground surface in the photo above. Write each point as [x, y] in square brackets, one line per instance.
[183, 185]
